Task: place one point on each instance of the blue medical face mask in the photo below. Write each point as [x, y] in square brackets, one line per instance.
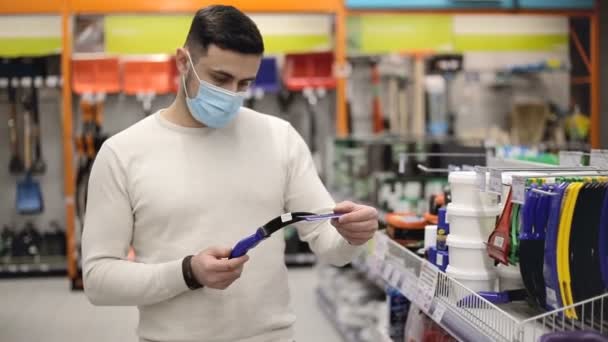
[213, 106]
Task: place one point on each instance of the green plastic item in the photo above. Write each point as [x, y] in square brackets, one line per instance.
[515, 224]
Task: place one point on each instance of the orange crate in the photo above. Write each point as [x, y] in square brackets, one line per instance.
[148, 76]
[309, 70]
[96, 75]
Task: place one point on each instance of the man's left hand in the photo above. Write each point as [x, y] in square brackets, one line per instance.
[358, 224]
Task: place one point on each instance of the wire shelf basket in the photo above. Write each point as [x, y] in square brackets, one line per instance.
[466, 315]
[592, 316]
[483, 316]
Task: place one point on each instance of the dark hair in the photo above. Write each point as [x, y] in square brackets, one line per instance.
[227, 27]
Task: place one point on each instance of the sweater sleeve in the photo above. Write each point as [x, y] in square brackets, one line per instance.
[306, 192]
[109, 278]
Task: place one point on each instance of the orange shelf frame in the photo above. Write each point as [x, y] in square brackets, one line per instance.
[176, 6]
[69, 181]
[8, 7]
[340, 44]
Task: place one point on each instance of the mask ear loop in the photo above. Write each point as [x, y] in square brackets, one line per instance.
[193, 70]
[185, 89]
[192, 65]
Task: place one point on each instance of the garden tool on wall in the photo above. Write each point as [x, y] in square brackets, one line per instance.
[447, 66]
[364, 107]
[312, 74]
[39, 165]
[146, 78]
[7, 236]
[15, 164]
[92, 77]
[88, 144]
[403, 106]
[395, 70]
[418, 127]
[29, 196]
[377, 116]
[28, 242]
[312, 99]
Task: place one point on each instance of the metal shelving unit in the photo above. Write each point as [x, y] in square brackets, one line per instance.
[300, 259]
[31, 267]
[348, 335]
[462, 312]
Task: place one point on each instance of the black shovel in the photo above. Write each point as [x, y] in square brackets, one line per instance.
[39, 165]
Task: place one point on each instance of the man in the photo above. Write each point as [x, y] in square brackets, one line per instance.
[185, 184]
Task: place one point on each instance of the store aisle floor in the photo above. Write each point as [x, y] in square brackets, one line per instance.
[45, 310]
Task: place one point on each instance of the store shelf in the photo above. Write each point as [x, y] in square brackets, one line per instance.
[328, 308]
[480, 321]
[28, 267]
[300, 259]
[464, 314]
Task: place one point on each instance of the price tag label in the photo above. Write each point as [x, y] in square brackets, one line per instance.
[408, 285]
[439, 259]
[495, 182]
[286, 217]
[481, 180]
[599, 159]
[397, 278]
[381, 246]
[427, 284]
[387, 272]
[438, 312]
[570, 158]
[499, 241]
[372, 264]
[518, 190]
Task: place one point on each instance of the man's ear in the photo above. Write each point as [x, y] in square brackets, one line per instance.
[182, 61]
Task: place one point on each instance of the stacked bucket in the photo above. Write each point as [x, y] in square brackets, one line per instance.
[472, 217]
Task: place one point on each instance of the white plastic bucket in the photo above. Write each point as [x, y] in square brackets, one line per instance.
[509, 278]
[476, 282]
[465, 191]
[468, 255]
[472, 224]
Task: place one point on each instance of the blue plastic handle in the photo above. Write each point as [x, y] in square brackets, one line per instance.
[243, 246]
[550, 267]
[541, 216]
[471, 301]
[603, 241]
[528, 215]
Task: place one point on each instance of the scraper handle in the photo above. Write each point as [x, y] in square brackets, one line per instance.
[244, 245]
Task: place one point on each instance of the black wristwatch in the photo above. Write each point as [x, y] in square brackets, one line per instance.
[189, 277]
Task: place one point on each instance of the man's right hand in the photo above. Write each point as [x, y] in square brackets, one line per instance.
[213, 269]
